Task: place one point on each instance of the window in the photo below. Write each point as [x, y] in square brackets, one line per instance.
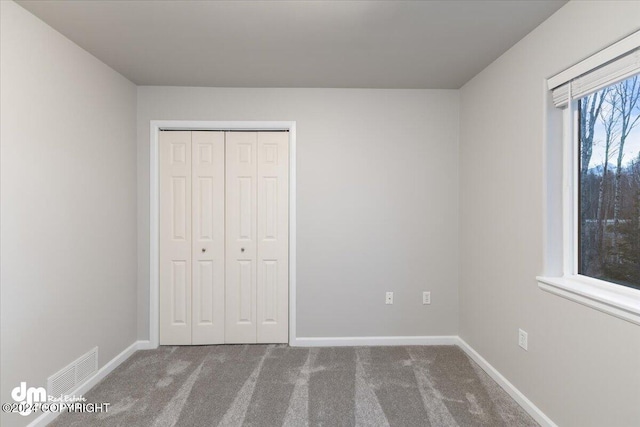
[592, 247]
[609, 184]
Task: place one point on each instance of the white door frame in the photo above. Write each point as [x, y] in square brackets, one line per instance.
[154, 209]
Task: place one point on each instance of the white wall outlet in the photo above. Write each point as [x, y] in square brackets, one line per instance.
[389, 298]
[523, 339]
[426, 297]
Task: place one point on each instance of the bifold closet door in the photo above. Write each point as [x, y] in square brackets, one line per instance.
[273, 237]
[208, 228]
[257, 203]
[241, 248]
[191, 237]
[175, 237]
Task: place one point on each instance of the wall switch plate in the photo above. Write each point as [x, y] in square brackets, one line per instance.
[523, 339]
[426, 297]
[389, 298]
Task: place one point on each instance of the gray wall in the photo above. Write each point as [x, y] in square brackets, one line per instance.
[68, 207]
[582, 367]
[377, 201]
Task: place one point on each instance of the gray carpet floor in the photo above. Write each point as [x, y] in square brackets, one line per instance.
[277, 385]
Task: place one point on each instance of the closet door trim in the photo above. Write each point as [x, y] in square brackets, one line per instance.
[155, 126]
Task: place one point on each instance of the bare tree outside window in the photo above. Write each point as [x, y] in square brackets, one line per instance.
[609, 195]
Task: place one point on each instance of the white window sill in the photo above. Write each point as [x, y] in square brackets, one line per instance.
[617, 300]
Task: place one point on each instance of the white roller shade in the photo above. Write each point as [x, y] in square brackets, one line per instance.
[607, 67]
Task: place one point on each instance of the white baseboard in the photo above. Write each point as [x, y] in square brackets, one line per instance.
[372, 341]
[47, 417]
[146, 345]
[516, 394]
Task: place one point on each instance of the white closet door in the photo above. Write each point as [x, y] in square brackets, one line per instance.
[208, 237]
[273, 237]
[175, 237]
[241, 248]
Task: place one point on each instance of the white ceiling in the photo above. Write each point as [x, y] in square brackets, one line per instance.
[359, 44]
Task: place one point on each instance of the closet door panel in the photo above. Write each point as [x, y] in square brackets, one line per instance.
[208, 184]
[175, 237]
[273, 237]
[241, 187]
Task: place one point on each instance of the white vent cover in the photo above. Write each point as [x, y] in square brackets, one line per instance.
[86, 366]
[62, 382]
[71, 376]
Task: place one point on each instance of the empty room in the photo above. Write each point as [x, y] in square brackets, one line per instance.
[320, 213]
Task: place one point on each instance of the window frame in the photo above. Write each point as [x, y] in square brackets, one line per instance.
[608, 297]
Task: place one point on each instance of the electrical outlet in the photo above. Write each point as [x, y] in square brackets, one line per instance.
[426, 297]
[389, 298]
[523, 339]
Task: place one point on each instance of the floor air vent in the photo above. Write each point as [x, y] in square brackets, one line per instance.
[68, 378]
